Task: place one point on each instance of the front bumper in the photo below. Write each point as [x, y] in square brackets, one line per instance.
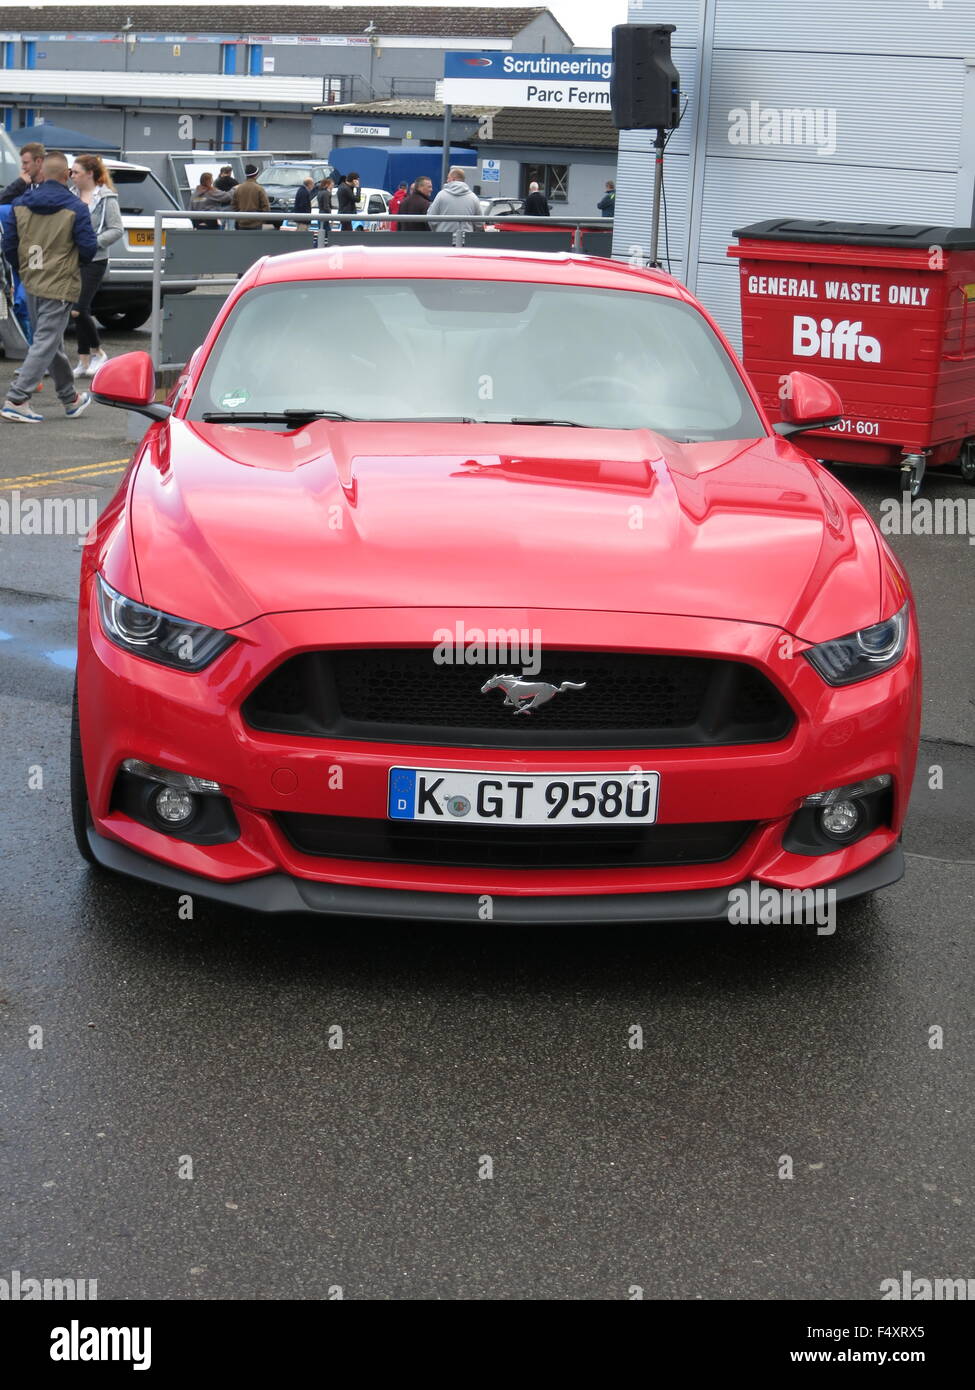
[282, 893]
[130, 708]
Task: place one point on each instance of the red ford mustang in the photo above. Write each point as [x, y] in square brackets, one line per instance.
[460, 584]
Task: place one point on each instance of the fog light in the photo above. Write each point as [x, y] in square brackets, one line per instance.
[173, 806]
[840, 819]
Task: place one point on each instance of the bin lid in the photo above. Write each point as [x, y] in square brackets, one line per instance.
[908, 235]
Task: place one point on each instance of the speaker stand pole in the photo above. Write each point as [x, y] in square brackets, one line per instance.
[658, 183]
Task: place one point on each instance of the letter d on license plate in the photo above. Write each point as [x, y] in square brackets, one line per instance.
[551, 798]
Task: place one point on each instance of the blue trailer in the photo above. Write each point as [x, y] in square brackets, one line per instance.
[387, 166]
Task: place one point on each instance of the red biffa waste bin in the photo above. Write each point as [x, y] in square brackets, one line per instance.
[886, 315]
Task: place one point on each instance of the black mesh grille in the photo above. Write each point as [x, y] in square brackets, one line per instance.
[520, 847]
[635, 700]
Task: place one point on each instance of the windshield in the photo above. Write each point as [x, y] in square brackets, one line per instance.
[478, 350]
[139, 193]
[279, 176]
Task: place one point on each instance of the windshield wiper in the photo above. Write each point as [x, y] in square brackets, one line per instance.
[260, 417]
[536, 420]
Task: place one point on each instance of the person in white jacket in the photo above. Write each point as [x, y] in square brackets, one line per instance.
[93, 185]
[456, 198]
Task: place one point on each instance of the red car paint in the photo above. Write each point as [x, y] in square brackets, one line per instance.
[749, 550]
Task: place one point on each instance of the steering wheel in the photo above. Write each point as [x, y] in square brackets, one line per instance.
[581, 383]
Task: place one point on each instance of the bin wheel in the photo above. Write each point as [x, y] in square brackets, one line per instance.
[911, 477]
[966, 461]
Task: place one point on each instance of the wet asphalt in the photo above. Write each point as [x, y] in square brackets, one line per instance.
[207, 1046]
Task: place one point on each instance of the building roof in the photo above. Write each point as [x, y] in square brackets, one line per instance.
[444, 21]
[406, 107]
[523, 125]
[510, 125]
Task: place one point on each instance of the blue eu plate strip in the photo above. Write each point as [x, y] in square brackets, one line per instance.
[402, 793]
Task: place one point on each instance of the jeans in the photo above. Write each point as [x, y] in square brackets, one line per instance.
[92, 276]
[50, 319]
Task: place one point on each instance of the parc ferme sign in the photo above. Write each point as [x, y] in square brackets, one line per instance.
[556, 81]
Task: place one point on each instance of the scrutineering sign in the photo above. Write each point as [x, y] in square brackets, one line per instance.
[559, 81]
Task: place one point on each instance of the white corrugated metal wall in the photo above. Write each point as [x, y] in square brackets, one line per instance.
[892, 75]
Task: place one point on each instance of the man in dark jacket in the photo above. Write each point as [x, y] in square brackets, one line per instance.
[303, 196]
[536, 204]
[51, 239]
[348, 196]
[607, 203]
[416, 204]
[226, 181]
[31, 162]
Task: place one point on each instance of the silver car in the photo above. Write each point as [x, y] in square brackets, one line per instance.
[125, 297]
[281, 180]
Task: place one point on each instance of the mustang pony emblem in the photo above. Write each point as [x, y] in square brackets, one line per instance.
[524, 696]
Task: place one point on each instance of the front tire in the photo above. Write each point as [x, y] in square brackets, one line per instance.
[966, 461]
[80, 811]
[133, 317]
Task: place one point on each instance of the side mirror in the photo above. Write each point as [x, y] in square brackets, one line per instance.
[129, 382]
[808, 404]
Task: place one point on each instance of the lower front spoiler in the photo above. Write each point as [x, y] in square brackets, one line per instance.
[282, 893]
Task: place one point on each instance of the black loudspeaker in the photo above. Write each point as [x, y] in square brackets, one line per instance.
[644, 89]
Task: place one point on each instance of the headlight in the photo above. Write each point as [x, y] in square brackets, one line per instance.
[862, 654]
[175, 642]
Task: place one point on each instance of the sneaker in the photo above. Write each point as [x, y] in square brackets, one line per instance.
[21, 413]
[97, 358]
[81, 370]
[80, 403]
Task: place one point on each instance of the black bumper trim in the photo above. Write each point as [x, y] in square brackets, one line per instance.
[282, 893]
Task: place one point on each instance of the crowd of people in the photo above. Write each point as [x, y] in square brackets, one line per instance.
[58, 221]
[334, 197]
[342, 196]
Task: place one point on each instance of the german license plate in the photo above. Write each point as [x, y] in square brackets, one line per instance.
[551, 798]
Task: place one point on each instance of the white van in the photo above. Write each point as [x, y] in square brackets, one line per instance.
[371, 200]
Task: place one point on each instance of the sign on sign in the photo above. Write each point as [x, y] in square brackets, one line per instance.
[365, 130]
[563, 81]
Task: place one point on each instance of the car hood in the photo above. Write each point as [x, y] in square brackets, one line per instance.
[230, 522]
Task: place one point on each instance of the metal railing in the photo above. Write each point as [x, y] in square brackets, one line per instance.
[327, 233]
